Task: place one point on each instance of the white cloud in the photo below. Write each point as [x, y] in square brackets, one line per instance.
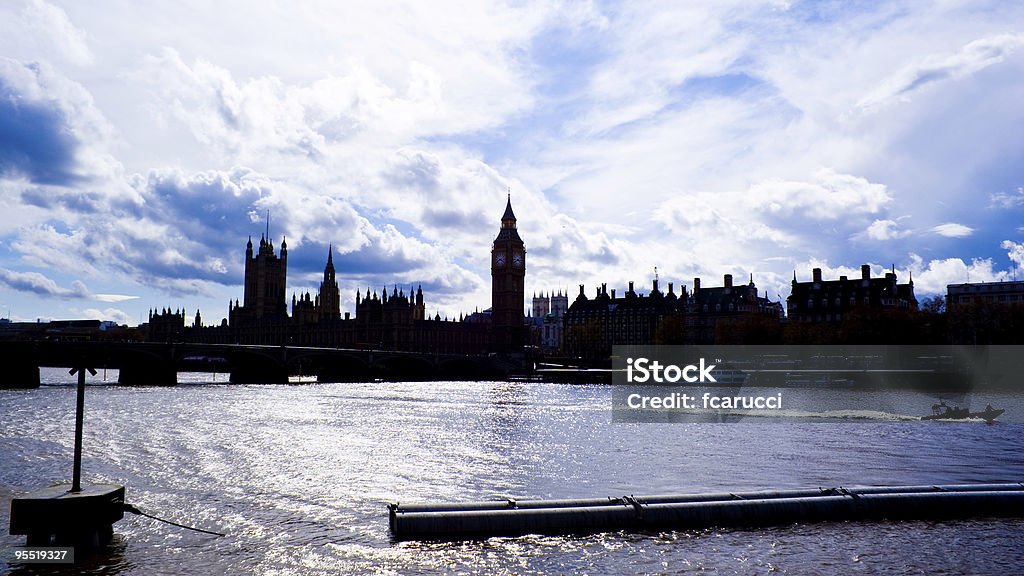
[974, 56]
[885, 230]
[828, 196]
[40, 285]
[109, 314]
[1006, 200]
[694, 138]
[113, 297]
[933, 278]
[953, 230]
[42, 29]
[1015, 251]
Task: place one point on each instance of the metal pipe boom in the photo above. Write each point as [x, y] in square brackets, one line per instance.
[695, 511]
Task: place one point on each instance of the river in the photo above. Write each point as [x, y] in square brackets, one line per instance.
[298, 476]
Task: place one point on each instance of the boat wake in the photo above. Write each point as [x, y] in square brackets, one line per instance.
[866, 415]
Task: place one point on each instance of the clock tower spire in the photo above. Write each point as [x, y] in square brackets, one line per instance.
[508, 290]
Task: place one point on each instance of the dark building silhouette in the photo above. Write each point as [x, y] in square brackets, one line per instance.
[265, 280]
[391, 321]
[831, 301]
[166, 325]
[329, 296]
[326, 304]
[985, 312]
[704, 316]
[508, 290]
[731, 314]
[959, 296]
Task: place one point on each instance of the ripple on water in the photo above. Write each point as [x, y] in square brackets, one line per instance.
[298, 477]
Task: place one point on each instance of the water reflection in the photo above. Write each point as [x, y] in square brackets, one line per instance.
[298, 476]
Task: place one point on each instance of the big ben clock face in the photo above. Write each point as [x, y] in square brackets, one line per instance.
[499, 259]
[517, 259]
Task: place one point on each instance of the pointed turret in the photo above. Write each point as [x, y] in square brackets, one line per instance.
[508, 219]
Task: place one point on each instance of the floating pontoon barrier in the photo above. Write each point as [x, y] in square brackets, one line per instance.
[695, 511]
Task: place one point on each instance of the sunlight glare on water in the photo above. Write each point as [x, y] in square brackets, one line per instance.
[298, 477]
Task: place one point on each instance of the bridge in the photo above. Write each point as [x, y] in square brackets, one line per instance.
[158, 364]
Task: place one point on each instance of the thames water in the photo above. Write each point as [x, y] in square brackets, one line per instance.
[298, 476]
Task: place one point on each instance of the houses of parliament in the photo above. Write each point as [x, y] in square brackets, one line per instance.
[389, 320]
[819, 311]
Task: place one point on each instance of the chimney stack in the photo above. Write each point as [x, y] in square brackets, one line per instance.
[728, 280]
[865, 272]
[817, 274]
[696, 285]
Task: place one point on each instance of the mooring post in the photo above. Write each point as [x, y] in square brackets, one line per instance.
[76, 517]
[76, 479]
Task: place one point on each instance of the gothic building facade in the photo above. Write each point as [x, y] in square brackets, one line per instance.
[547, 316]
[390, 320]
[266, 276]
[508, 289]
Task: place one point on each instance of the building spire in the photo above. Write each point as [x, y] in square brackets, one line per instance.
[508, 215]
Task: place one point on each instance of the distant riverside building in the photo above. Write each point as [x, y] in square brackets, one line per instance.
[985, 312]
[731, 314]
[546, 320]
[705, 315]
[392, 319]
[166, 325]
[967, 294]
[831, 301]
[66, 330]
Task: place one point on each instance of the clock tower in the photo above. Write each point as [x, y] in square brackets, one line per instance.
[508, 290]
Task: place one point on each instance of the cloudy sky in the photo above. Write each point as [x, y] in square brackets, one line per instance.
[141, 144]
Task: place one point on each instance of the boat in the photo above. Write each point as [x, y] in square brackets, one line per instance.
[943, 411]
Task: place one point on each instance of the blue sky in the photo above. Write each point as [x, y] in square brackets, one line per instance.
[141, 145]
